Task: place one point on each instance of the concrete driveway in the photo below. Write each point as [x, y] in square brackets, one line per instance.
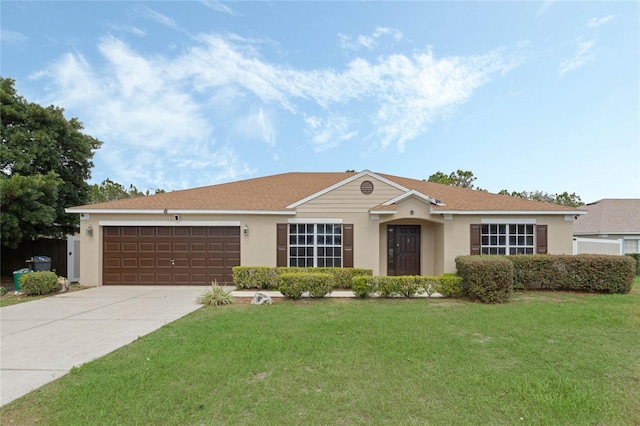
[42, 340]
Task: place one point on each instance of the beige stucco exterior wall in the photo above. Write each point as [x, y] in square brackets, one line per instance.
[457, 232]
[443, 237]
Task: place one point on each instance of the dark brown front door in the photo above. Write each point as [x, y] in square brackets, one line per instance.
[165, 255]
[403, 250]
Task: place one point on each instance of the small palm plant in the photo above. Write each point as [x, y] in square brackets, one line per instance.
[216, 296]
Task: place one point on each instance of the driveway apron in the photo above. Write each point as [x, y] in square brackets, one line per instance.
[43, 339]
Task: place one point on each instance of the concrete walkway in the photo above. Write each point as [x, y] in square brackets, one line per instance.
[43, 339]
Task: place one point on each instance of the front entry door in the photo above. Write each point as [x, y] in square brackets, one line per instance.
[403, 250]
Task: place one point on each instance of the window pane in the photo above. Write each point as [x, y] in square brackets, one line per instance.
[337, 240]
[520, 241]
[520, 229]
[529, 240]
[502, 229]
[501, 250]
[512, 229]
[494, 241]
[329, 240]
[502, 240]
[321, 263]
[493, 229]
[529, 229]
[337, 229]
[485, 229]
[320, 239]
[485, 241]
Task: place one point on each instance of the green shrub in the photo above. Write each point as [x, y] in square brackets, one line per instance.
[486, 278]
[636, 257]
[585, 272]
[538, 272]
[448, 285]
[406, 286]
[428, 284]
[43, 282]
[265, 277]
[262, 277]
[216, 296]
[3, 291]
[363, 286]
[293, 284]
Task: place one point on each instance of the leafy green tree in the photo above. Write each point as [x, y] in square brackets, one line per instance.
[564, 199]
[40, 150]
[465, 179]
[461, 178]
[109, 190]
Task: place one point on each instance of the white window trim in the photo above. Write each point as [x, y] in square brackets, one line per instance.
[508, 246]
[508, 221]
[315, 241]
[315, 221]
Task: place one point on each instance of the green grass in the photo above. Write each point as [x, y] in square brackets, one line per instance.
[543, 358]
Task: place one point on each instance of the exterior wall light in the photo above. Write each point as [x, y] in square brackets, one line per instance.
[89, 231]
[245, 230]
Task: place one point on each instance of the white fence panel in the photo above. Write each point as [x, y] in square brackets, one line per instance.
[597, 246]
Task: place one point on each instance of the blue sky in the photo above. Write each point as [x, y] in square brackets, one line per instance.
[527, 95]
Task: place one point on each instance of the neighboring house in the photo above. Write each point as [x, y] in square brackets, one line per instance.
[610, 219]
[390, 224]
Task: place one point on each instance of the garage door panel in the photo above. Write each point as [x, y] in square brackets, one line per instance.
[163, 248]
[156, 255]
[198, 247]
[148, 247]
[181, 247]
[112, 247]
[130, 247]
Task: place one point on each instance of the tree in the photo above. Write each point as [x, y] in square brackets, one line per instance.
[461, 178]
[45, 162]
[564, 199]
[465, 179]
[109, 190]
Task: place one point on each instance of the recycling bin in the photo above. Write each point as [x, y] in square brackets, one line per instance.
[16, 277]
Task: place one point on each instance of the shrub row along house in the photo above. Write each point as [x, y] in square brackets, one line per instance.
[390, 224]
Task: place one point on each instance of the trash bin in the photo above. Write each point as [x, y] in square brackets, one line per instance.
[16, 278]
[40, 263]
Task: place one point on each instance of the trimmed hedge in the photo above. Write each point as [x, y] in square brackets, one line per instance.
[294, 284]
[487, 278]
[42, 282]
[449, 285]
[583, 272]
[261, 277]
[266, 277]
[636, 257]
[405, 286]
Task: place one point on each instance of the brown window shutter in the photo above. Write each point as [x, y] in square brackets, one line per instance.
[475, 239]
[281, 243]
[347, 246]
[541, 239]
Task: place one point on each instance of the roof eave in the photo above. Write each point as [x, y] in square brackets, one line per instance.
[180, 211]
[508, 212]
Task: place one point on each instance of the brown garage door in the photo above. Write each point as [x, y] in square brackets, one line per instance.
[164, 255]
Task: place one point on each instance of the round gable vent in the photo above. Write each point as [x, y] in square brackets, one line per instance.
[366, 187]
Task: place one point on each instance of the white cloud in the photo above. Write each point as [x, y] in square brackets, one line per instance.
[583, 56]
[12, 37]
[328, 132]
[544, 7]
[218, 7]
[257, 125]
[149, 108]
[597, 22]
[368, 42]
[160, 18]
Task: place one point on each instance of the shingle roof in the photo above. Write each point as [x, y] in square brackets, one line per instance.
[610, 216]
[276, 192]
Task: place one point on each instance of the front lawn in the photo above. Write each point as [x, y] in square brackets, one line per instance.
[543, 358]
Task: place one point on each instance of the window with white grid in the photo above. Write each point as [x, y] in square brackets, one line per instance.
[317, 245]
[631, 246]
[507, 239]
